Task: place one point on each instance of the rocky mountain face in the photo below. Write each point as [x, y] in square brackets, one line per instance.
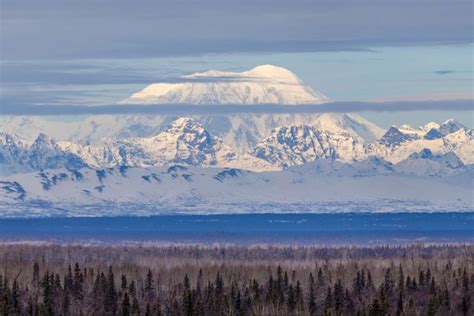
[43, 153]
[240, 131]
[398, 143]
[188, 142]
[184, 142]
[295, 145]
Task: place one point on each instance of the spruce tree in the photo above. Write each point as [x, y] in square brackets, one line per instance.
[111, 293]
[311, 295]
[36, 277]
[135, 307]
[338, 295]
[77, 281]
[125, 308]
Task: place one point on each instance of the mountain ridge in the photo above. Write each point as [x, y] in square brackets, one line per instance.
[187, 141]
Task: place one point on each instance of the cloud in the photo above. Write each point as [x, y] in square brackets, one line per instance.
[180, 109]
[444, 72]
[53, 29]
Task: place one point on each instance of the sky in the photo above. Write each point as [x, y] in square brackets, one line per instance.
[97, 52]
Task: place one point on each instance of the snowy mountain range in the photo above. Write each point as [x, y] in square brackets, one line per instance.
[186, 169]
[187, 142]
[242, 162]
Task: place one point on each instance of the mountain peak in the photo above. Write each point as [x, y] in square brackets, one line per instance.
[43, 141]
[186, 124]
[450, 121]
[394, 137]
[183, 121]
[265, 84]
[7, 139]
[274, 72]
[429, 126]
[451, 126]
[449, 159]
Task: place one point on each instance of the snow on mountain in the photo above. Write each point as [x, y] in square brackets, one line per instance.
[266, 84]
[295, 145]
[84, 129]
[241, 131]
[372, 166]
[398, 143]
[244, 131]
[319, 186]
[187, 141]
[429, 126]
[433, 133]
[450, 126]
[43, 153]
[184, 142]
[425, 163]
[11, 151]
[394, 137]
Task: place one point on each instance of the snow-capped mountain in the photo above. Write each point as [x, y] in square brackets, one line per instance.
[266, 84]
[10, 149]
[397, 135]
[144, 164]
[43, 153]
[394, 137]
[320, 186]
[398, 143]
[295, 145]
[185, 142]
[240, 131]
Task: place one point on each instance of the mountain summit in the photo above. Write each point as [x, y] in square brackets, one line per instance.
[266, 84]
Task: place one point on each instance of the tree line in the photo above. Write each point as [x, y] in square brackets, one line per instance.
[437, 282]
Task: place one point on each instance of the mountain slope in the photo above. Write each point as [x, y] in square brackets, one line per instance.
[264, 84]
[425, 163]
[185, 142]
[295, 145]
[322, 186]
[43, 153]
[399, 143]
[240, 131]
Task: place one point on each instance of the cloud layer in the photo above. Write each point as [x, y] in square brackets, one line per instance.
[179, 109]
[144, 28]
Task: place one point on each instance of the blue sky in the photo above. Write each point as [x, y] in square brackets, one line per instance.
[98, 51]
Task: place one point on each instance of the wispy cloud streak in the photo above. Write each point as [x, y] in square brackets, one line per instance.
[180, 109]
